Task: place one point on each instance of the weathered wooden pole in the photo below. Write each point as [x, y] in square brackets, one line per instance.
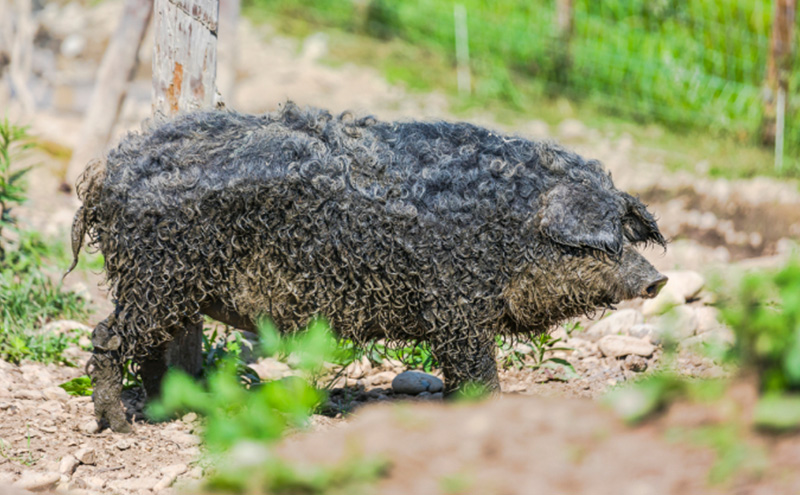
[111, 85]
[779, 67]
[185, 55]
[184, 79]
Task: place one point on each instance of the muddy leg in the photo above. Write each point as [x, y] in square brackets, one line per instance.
[105, 370]
[468, 364]
[152, 370]
[184, 351]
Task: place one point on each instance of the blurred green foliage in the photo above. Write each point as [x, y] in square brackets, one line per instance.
[764, 313]
[241, 423]
[691, 64]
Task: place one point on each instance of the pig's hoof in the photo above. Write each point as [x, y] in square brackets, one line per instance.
[115, 418]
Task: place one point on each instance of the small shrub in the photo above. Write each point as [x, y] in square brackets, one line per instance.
[251, 419]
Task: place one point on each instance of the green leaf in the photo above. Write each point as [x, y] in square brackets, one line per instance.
[80, 386]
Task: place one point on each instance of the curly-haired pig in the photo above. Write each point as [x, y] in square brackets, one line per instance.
[441, 232]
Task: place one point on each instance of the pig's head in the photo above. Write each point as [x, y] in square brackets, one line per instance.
[586, 257]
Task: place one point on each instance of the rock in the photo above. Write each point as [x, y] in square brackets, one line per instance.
[60, 327]
[183, 439]
[358, 368]
[618, 322]
[645, 331]
[164, 483]
[123, 444]
[680, 322]
[707, 319]
[415, 382]
[174, 470]
[189, 417]
[55, 393]
[663, 302]
[270, 368]
[622, 345]
[68, 464]
[687, 284]
[37, 481]
[91, 427]
[635, 363]
[86, 455]
[381, 378]
[28, 394]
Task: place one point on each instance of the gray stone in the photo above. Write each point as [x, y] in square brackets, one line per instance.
[622, 345]
[38, 481]
[618, 322]
[415, 382]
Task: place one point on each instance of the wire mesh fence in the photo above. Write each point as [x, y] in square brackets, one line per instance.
[687, 63]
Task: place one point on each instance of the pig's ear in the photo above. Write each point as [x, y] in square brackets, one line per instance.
[581, 215]
[639, 224]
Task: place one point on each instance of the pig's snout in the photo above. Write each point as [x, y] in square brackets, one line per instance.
[654, 287]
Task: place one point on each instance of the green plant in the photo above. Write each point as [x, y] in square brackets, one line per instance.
[544, 343]
[13, 141]
[764, 312]
[28, 296]
[237, 418]
[80, 386]
[27, 458]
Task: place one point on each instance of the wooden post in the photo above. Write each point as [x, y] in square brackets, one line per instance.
[564, 28]
[185, 55]
[779, 66]
[116, 71]
[184, 78]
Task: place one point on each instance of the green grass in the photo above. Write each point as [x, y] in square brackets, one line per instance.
[682, 78]
[30, 296]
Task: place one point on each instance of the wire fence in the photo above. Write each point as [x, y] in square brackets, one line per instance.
[687, 63]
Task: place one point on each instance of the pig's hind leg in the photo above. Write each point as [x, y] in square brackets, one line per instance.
[105, 368]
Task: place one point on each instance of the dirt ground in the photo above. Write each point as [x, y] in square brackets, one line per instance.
[546, 434]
